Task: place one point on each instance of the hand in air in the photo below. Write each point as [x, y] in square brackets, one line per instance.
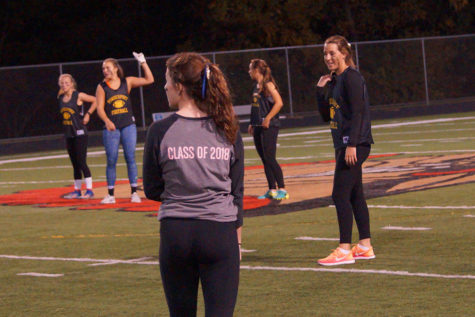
[139, 57]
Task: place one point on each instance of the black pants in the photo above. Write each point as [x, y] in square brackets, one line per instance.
[77, 150]
[199, 250]
[348, 195]
[265, 141]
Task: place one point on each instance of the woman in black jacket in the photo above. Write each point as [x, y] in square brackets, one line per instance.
[343, 100]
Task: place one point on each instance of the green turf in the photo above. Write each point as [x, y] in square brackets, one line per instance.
[135, 290]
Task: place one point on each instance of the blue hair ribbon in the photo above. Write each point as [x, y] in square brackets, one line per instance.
[205, 81]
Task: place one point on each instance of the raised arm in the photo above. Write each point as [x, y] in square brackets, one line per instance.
[323, 105]
[147, 78]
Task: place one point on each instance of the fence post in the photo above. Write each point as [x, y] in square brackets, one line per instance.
[214, 58]
[357, 57]
[141, 97]
[425, 72]
[60, 69]
[288, 82]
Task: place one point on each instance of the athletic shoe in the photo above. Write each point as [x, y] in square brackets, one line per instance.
[336, 258]
[108, 200]
[360, 254]
[282, 194]
[88, 194]
[135, 198]
[73, 195]
[268, 195]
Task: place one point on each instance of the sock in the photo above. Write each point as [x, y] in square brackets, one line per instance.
[88, 181]
[363, 247]
[344, 251]
[111, 191]
[133, 189]
[77, 184]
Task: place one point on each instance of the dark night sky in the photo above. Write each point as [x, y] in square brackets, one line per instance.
[47, 31]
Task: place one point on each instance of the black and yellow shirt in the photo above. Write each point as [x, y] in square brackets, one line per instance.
[117, 104]
[71, 116]
[344, 102]
[260, 107]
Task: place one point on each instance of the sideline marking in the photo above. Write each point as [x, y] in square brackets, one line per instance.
[255, 268]
[389, 125]
[469, 216]
[405, 228]
[40, 274]
[316, 239]
[420, 207]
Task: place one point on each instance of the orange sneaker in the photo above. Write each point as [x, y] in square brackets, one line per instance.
[336, 258]
[360, 254]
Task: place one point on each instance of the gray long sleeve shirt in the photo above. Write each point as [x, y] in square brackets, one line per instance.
[193, 170]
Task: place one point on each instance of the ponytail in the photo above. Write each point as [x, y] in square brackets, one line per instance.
[261, 66]
[204, 82]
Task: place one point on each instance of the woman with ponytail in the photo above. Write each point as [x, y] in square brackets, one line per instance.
[264, 127]
[194, 165]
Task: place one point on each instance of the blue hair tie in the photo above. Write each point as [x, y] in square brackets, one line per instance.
[204, 80]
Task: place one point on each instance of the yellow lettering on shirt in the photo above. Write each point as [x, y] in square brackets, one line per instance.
[119, 111]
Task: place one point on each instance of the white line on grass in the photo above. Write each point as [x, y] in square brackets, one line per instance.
[469, 216]
[316, 239]
[255, 268]
[386, 272]
[421, 207]
[281, 135]
[405, 228]
[40, 274]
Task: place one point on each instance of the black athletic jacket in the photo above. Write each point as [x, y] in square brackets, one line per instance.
[344, 102]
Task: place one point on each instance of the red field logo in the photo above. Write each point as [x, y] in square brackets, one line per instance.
[309, 185]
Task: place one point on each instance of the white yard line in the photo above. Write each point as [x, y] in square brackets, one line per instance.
[316, 239]
[420, 207]
[40, 274]
[281, 135]
[405, 228]
[253, 268]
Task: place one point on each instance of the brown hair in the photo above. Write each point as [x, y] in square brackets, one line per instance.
[75, 85]
[212, 96]
[120, 71]
[343, 46]
[265, 70]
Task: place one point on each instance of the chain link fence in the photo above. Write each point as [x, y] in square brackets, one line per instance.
[414, 72]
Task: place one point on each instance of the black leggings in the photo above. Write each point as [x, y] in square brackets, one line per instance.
[77, 150]
[348, 195]
[265, 141]
[199, 250]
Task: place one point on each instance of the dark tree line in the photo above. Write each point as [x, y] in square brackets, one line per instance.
[47, 31]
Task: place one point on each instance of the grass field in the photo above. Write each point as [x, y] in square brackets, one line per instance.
[416, 273]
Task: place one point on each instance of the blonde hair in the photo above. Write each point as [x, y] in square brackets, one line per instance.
[343, 46]
[75, 85]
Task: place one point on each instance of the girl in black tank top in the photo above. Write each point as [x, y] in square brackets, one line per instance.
[264, 127]
[74, 122]
[115, 109]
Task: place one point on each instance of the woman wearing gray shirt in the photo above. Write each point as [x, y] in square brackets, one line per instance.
[194, 165]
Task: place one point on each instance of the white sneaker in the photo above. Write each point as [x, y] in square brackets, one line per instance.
[135, 198]
[108, 200]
